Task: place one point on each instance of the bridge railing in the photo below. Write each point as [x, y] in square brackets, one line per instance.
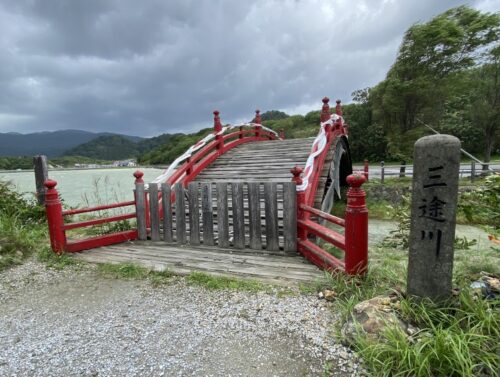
[354, 241]
[255, 215]
[186, 167]
[58, 226]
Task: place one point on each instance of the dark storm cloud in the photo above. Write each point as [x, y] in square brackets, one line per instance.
[147, 67]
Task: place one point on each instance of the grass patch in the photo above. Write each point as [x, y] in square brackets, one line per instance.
[458, 338]
[221, 282]
[22, 227]
[455, 338]
[18, 240]
[55, 261]
[131, 271]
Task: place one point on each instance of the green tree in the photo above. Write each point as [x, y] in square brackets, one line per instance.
[484, 109]
[430, 58]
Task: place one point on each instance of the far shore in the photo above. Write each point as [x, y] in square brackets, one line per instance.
[99, 168]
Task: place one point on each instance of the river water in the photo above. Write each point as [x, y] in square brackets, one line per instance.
[84, 187]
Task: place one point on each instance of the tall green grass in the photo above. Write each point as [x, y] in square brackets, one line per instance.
[22, 227]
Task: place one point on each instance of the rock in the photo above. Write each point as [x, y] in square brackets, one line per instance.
[494, 283]
[329, 295]
[321, 295]
[372, 317]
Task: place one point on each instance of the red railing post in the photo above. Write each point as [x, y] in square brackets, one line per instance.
[366, 168]
[258, 121]
[356, 227]
[338, 108]
[217, 129]
[138, 179]
[282, 134]
[325, 115]
[55, 220]
[301, 199]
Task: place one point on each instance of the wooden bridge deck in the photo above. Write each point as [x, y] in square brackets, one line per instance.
[265, 266]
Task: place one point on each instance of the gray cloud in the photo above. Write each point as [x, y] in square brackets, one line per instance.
[148, 67]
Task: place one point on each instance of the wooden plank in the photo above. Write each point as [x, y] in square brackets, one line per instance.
[208, 265]
[180, 213]
[207, 214]
[243, 254]
[194, 214]
[154, 213]
[222, 215]
[289, 216]
[167, 212]
[185, 270]
[140, 211]
[254, 210]
[238, 215]
[288, 264]
[270, 196]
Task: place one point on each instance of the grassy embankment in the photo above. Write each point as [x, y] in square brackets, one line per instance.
[458, 337]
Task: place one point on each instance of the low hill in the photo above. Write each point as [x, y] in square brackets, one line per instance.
[116, 147]
[51, 144]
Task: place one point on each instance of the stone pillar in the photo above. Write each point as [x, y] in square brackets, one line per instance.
[41, 175]
[433, 216]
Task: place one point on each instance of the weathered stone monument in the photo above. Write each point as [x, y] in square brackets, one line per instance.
[433, 211]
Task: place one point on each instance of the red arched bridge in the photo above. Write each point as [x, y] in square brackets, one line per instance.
[241, 201]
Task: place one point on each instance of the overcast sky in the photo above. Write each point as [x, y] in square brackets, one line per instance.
[154, 66]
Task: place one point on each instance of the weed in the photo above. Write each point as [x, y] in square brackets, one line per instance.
[132, 271]
[55, 261]
[222, 282]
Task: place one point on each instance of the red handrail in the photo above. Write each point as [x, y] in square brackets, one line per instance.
[98, 208]
[103, 220]
[323, 215]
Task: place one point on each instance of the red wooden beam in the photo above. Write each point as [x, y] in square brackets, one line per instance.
[336, 239]
[104, 240]
[104, 220]
[323, 215]
[98, 208]
[319, 257]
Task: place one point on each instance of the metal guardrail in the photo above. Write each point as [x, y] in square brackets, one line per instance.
[383, 171]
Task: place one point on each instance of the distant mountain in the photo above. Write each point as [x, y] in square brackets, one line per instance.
[116, 147]
[53, 143]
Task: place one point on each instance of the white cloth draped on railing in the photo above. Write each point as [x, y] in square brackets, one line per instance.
[200, 144]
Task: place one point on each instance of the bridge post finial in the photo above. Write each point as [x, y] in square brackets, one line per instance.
[296, 171]
[258, 122]
[138, 176]
[325, 110]
[258, 118]
[217, 123]
[338, 108]
[356, 226]
[55, 221]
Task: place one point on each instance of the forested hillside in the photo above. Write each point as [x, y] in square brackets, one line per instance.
[117, 147]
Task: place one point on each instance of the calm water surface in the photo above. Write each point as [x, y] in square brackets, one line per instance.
[82, 187]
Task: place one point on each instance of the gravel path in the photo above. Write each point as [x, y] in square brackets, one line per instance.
[77, 323]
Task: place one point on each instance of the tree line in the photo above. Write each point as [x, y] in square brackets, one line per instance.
[446, 75]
